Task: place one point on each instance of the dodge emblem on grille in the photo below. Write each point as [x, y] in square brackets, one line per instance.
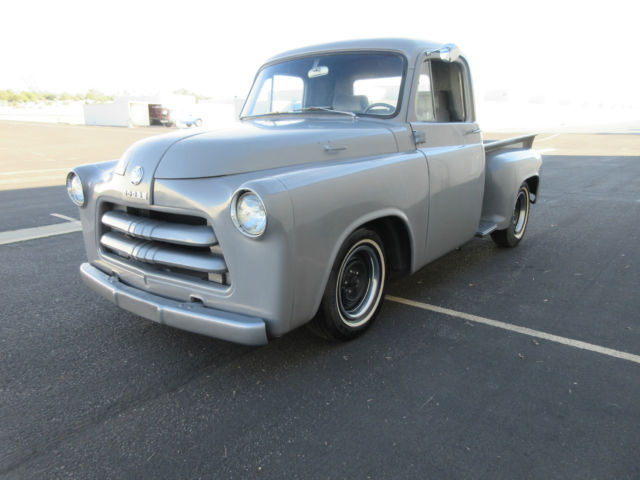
[136, 175]
[135, 194]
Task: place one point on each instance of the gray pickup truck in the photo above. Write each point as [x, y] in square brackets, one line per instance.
[353, 163]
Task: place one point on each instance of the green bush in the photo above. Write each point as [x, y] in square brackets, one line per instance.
[30, 96]
[15, 98]
[10, 96]
[98, 96]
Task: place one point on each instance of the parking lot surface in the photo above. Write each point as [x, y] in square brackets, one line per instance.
[88, 390]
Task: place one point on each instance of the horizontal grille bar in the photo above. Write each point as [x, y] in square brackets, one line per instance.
[163, 254]
[151, 229]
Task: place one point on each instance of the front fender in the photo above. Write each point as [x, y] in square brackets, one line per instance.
[260, 268]
[93, 176]
[330, 201]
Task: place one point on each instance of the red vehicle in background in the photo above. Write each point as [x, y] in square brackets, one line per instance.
[159, 115]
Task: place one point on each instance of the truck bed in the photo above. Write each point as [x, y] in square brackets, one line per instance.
[524, 141]
[498, 154]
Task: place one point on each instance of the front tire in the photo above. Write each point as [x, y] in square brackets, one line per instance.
[354, 293]
[511, 236]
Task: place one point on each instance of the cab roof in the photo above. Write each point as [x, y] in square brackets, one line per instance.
[409, 47]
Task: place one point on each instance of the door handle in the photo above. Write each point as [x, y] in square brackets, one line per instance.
[475, 130]
[333, 148]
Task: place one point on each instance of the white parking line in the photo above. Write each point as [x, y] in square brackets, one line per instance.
[59, 179]
[538, 140]
[64, 217]
[522, 330]
[27, 172]
[25, 234]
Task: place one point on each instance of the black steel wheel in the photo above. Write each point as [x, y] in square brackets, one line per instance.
[354, 292]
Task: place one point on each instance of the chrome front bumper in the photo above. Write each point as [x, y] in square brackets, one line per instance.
[186, 316]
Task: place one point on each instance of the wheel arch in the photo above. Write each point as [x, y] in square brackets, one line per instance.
[394, 229]
[506, 171]
[396, 240]
[533, 182]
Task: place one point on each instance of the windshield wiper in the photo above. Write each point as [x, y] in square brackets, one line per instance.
[327, 109]
[269, 114]
[305, 109]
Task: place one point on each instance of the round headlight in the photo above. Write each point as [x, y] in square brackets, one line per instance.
[248, 213]
[75, 189]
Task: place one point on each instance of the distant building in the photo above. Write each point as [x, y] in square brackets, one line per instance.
[133, 111]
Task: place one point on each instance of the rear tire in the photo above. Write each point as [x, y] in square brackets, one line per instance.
[511, 236]
[354, 293]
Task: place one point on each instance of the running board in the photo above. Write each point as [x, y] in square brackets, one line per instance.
[485, 228]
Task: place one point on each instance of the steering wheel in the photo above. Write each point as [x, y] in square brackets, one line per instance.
[380, 106]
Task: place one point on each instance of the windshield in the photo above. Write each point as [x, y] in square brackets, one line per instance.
[352, 83]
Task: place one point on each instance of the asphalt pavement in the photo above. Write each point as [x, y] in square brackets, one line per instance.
[90, 391]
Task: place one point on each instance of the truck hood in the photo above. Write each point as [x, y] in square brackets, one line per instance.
[260, 145]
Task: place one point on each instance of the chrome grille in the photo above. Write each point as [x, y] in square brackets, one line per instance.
[181, 244]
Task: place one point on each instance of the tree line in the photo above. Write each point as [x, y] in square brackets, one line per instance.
[13, 97]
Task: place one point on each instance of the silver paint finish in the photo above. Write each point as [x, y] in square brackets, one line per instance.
[506, 170]
[524, 141]
[333, 200]
[151, 229]
[187, 316]
[162, 254]
[266, 144]
[144, 154]
[320, 178]
[411, 48]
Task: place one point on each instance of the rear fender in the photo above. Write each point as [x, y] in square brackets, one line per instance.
[506, 171]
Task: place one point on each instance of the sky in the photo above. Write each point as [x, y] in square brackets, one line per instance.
[568, 51]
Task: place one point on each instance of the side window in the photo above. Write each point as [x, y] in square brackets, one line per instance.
[448, 92]
[424, 100]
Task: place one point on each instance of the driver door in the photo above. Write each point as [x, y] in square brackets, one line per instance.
[445, 130]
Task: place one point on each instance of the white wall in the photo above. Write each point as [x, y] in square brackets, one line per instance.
[138, 114]
[110, 114]
[170, 100]
[117, 114]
